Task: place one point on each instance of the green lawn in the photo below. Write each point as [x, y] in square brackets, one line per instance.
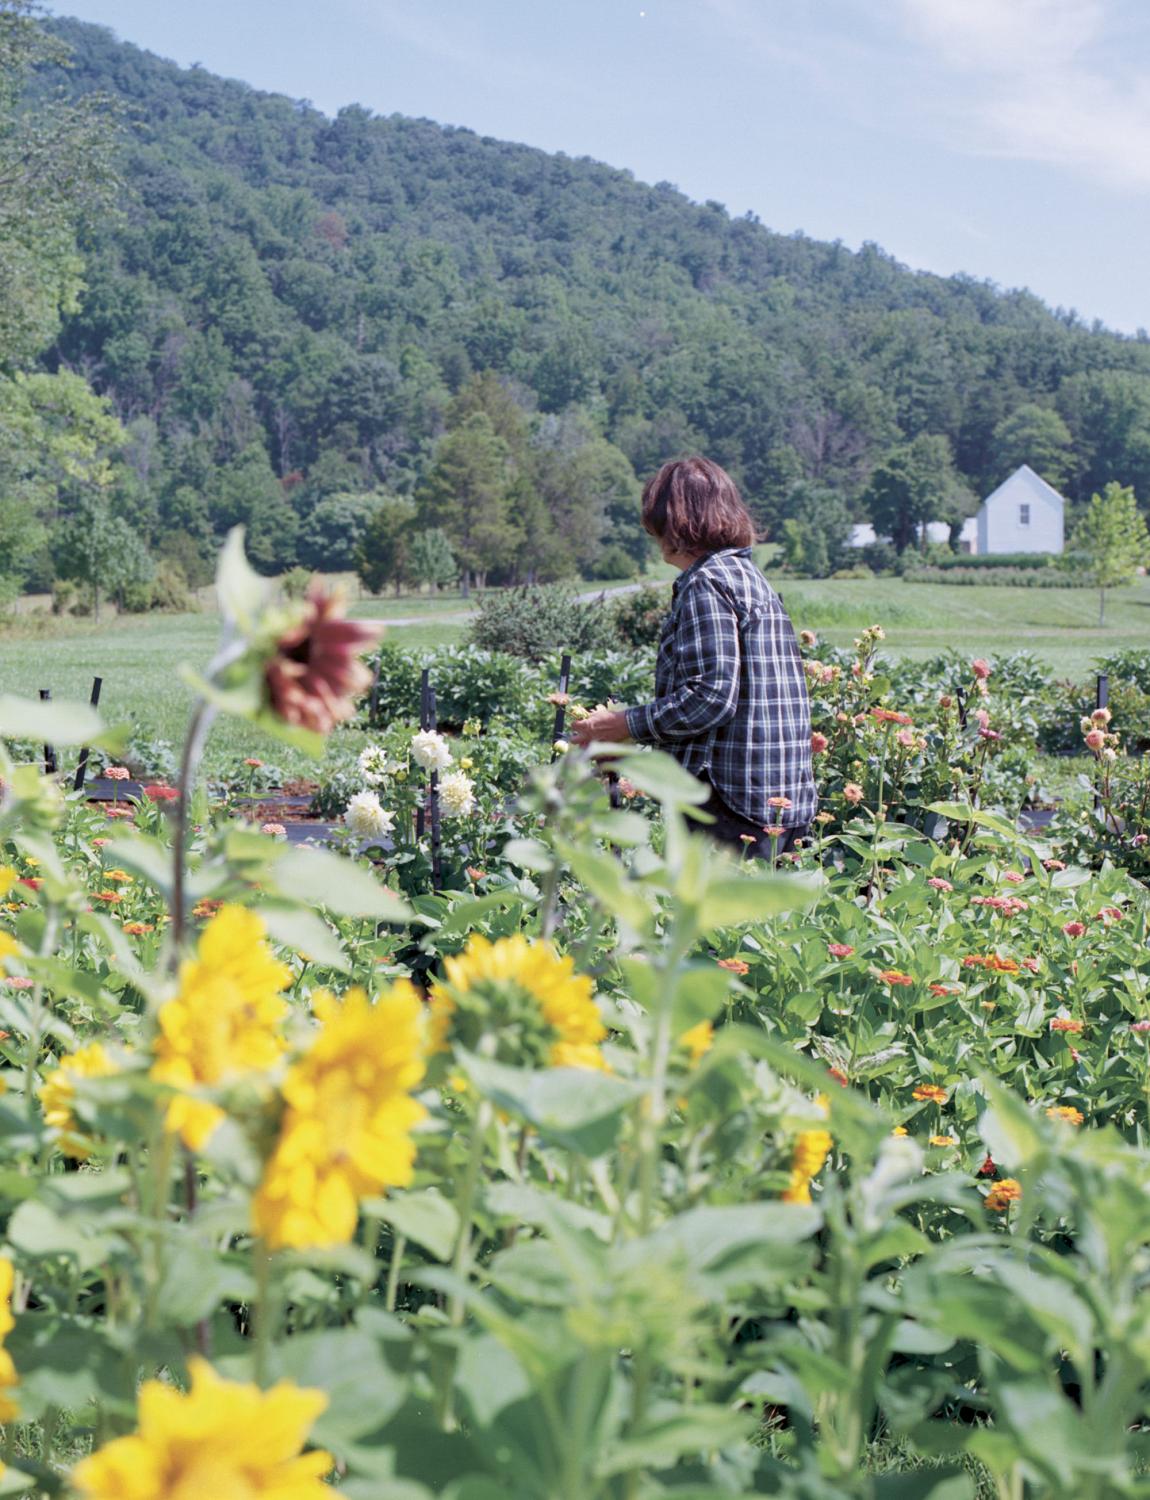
[138, 656]
[1059, 625]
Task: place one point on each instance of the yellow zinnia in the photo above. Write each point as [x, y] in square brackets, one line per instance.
[811, 1150]
[346, 1130]
[9, 948]
[698, 1040]
[58, 1092]
[8, 878]
[9, 1406]
[524, 993]
[221, 1440]
[224, 1022]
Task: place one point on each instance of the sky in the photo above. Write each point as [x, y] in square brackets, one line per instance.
[1008, 139]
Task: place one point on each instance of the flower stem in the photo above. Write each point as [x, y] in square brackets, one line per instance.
[200, 723]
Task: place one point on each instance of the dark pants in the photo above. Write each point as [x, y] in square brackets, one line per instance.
[740, 834]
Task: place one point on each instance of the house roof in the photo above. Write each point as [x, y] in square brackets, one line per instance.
[1025, 478]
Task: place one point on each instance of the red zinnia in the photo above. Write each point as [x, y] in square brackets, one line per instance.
[1074, 929]
[840, 950]
[160, 793]
[315, 674]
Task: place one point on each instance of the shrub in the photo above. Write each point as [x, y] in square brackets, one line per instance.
[294, 583]
[531, 622]
[639, 616]
[1010, 577]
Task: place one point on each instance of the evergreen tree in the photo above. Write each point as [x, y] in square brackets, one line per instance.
[468, 495]
[382, 556]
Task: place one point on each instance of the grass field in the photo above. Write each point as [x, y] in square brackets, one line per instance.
[138, 656]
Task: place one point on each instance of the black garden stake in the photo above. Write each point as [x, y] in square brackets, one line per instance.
[1101, 700]
[49, 750]
[82, 766]
[433, 802]
[561, 706]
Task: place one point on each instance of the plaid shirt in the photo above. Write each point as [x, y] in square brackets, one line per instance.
[730, 695]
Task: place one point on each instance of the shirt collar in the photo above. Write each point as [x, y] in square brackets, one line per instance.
[701, 562]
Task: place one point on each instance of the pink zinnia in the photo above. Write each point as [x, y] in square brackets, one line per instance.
[1140, 1026]
[1054, 864]
[315, 674]
[253, 762]
[936, 882]
[1014, 876]
[853, 793]
[274, 830]
[780, 802]
[819, 743]
[905, 737]
[1074, 929]
[989, 734]
[840, 950]
[983, 717]
[1095, 740]
[980, 667]
[18, 982]
[118, 773]
[1110, 914]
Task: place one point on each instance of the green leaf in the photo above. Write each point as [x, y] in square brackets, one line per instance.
[925, 1484]
[307, 933]
[317, 877]
[426, 1219]
[529, 854]
[702, 1429]
[1011, 1133]
[735, 900]
[240, 591]
[700, 993]
[576, 1108]
[350, 1365]
[54, 723]
[663, 778]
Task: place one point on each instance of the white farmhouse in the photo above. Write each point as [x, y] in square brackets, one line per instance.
[1024, 514]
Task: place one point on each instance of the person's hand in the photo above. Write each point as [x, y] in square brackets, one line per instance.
[602, 724]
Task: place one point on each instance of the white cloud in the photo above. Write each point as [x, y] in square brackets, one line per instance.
[1040, 83]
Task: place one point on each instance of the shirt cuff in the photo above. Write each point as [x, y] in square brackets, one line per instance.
[639, 724]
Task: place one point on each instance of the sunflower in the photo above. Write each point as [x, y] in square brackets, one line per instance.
[522, 995]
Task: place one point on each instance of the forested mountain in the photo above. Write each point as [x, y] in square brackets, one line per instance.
[289, 314]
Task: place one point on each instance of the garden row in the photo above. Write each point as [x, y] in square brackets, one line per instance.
[605, 1169]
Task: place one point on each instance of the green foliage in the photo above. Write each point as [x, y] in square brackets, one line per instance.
[285, 336]
[430, 558]
[913, 485]
[332, 532]
[815, 533]
[56, 176]
[1037, 436]
[1113, 540]
[534, 622]
[641, 614]
[383, 556]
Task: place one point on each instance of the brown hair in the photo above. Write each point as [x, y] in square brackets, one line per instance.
[694, 506]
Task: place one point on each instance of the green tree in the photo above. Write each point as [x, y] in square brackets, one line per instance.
[910, 488]
[1033, 435]
[56, 174]
[331, 533]
[382, 557]
[1112, 539]
[431, 559]
[816, 532]
[468, 494]
[101, 552]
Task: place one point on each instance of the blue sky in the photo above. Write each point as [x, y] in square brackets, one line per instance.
[1006, 138]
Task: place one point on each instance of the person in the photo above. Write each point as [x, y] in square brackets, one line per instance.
[730, 693]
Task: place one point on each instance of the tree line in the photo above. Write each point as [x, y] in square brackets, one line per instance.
[380, 338]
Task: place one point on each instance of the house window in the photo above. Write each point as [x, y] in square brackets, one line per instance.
[1024, 515]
